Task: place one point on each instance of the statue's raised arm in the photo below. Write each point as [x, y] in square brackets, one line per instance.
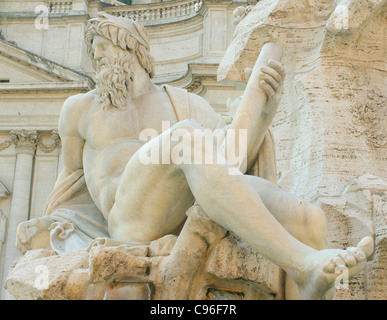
[259, 103]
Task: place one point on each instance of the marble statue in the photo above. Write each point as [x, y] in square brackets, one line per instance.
[125, 178]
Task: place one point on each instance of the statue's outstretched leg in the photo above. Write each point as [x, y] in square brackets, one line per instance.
[233, 202]
[303, 220]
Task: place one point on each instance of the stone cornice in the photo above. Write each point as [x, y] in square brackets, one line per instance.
[44, 87]
[44, 65]
[68, 16]
[194, 77]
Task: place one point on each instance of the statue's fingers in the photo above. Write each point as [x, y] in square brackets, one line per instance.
[276, 65]
[272, 72]
[269, 79]
[267, 88]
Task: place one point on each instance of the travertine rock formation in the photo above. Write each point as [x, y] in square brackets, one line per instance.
[330, 129]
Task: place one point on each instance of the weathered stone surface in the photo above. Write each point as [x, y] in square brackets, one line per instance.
[330, 126]
[201, 264]
[231, 271]
[42, 274]
[233, 259]
[360, 210]
[109, 263]
[377, 268]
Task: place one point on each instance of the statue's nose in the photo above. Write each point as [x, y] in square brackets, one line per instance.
[98, 54]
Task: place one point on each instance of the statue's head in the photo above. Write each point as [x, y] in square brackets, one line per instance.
[113, 43]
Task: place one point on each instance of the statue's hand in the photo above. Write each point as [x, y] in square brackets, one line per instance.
[271, 79]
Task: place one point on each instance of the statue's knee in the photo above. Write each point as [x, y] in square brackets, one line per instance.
[185, 133]
[191, 143]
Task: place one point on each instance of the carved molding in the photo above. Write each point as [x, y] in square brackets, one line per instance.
[27, 141]
[370, 119]
[196, 86]
[4, 145]
[24, 140]
[196, 74]
[49, 148]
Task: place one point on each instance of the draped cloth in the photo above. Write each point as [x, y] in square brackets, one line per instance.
[77, 219]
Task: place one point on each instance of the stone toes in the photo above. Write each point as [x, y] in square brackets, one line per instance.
[357, 253]
[349, 259]
[360, 255]
[366, 245]
[338, 261]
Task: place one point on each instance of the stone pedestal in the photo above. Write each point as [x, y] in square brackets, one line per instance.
[203, 263]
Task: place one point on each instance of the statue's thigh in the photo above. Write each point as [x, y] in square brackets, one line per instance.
[152, 185]
[154, 196]
[151, 178]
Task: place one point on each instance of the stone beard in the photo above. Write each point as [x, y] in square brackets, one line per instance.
[114, 73]
[113, 80]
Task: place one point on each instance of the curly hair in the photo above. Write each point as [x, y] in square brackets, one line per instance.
[126, 33]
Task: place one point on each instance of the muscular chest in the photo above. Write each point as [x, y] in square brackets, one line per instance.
[101, 127]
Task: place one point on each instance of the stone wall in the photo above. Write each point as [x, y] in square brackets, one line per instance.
[330, 129]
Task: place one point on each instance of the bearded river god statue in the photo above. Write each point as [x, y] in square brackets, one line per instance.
[139, 159]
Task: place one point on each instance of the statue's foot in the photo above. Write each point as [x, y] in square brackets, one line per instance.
[323, 268]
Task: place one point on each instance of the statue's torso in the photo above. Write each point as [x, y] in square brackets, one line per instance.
[112, 137]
